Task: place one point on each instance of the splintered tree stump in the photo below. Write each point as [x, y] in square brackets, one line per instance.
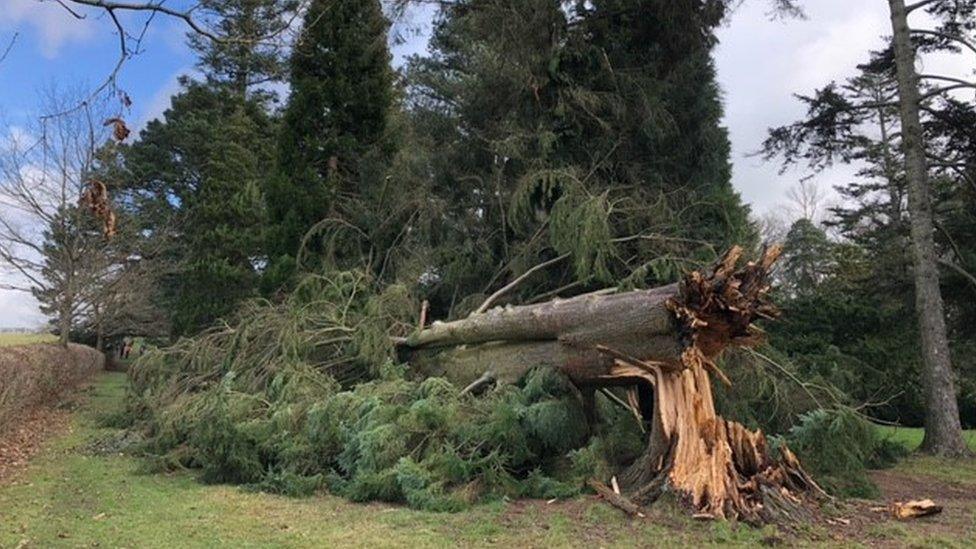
[667, 337]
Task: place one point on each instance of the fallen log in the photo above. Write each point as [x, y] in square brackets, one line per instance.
[667, 338]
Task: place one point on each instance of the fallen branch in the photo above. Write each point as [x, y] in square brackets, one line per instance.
[617, 500]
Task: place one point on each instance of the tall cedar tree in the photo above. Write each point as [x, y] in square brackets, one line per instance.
[589, 133]
[336, 126]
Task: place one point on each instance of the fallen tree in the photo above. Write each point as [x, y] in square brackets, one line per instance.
[667, 338]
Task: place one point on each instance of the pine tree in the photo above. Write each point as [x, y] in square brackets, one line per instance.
[335, 130]
[70, 255]
[195, 179]
[247, 54]
[661, 134]
[912, 135]
[806, 257]
[197, 175]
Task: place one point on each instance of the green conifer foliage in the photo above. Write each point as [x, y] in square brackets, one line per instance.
[335, 131]
[251, 36]
[289, 399]
[587, 128]
[195, 178]
[660, 130]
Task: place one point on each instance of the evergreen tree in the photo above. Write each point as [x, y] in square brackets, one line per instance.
[806, 258]
[903, 216]
[587, 131]
[335, 139]
[660, 132]
[196, 176]
[250, 32]
[195, 179]
[70, 256]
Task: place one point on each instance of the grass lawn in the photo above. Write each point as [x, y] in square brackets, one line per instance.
[9, 339]
[911, 437]
[69, 498]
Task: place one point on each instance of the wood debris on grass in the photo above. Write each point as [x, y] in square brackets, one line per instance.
[914, 509]
[617, 500]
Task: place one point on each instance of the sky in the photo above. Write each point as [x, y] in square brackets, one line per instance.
[761, 64]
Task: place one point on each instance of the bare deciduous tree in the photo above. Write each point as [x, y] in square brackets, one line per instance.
[46, 239]
[806, 200]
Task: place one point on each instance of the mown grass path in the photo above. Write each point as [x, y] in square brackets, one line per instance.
[69, 498]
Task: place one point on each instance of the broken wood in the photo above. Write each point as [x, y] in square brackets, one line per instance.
[618, 501]
[667, 338]
[914, 509]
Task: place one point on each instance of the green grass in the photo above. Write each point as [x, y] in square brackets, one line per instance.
[911, 437]
[67, 498]
[10, 339]
[70, 499]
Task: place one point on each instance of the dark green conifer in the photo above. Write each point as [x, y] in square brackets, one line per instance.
[335, 130]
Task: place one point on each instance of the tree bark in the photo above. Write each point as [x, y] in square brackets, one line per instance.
[64, 323]
[943, 431]
[665, 337]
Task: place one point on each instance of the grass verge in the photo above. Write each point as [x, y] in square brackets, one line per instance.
[911, 437]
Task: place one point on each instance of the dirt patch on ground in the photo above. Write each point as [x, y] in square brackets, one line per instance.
[870, 523]
[19, 444]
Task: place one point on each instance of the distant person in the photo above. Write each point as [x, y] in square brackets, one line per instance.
[126, 348]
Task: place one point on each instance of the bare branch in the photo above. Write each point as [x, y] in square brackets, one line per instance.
[157, 6]
[958, 268]
[941, 78]
[511, 285]
[920, 4]
[10, 46]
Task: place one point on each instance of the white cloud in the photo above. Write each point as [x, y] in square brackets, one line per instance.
[19, 309]
[55, 25]
[762, 63]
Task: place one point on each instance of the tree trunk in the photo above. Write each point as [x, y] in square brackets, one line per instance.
[64, 324]
[99, 330]
[666, 337]
[943, 431]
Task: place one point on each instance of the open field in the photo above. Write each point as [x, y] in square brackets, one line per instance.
[12, 338]
[73, 497]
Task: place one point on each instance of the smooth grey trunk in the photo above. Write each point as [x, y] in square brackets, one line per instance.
[943, 431]
[562, 334]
